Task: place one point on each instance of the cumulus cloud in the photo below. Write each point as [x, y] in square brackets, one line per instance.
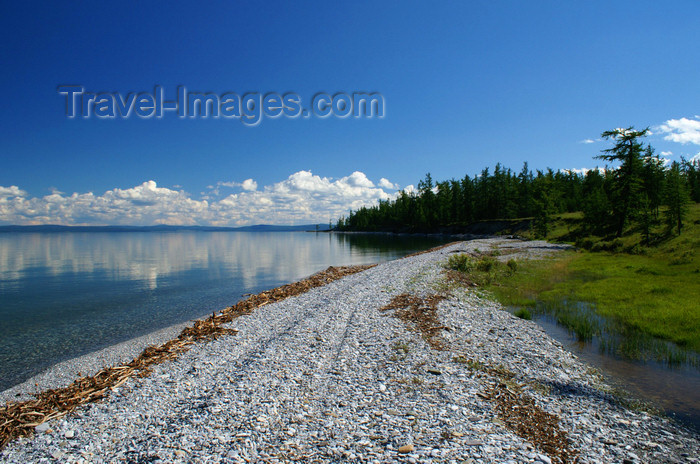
[578, 170]
[386, 184]
[681, 130]
[302, 197]
[249, 185]
[358, 179]
[410, 189]
[584, 171]
[11, 191]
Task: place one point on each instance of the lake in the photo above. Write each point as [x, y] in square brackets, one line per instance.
[65, 294]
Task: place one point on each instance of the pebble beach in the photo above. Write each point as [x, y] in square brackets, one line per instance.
[336, 374]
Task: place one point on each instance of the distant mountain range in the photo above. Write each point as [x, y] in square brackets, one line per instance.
[164, 228]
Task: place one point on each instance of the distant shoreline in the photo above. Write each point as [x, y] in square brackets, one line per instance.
[162, 228]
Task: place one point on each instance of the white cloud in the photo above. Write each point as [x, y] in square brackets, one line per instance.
[386, 184]
[249, 185]
[358, 179]
[587, 141]
[681, 130]
[410, 189]
[302, 197]
[695, 159]
[140, 205]
[666, 153]
[11, 191]
[584, 171]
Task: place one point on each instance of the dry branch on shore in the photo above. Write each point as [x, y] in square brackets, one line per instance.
[19, 419]
[422, 313]
[520, 414]
[518, 411]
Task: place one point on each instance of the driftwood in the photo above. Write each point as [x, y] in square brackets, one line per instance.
[19, 418]
[518, 411]
[420, 314]
[522, 415]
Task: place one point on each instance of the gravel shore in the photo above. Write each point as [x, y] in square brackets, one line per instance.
[328, 376]
[63, 373]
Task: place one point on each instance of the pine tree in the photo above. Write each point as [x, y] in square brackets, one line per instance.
[627, 179]
[676, 197]
[595, 203]
[653, 179]
[691, 170]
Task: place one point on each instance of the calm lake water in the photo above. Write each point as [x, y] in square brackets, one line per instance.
[653, 370]
[70, 293]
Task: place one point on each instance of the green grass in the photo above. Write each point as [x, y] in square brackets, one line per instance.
[533, 278]
[481, 269]
[648, 293]
[523, 313]
[654, 290]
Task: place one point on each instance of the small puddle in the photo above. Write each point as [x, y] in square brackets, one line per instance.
[650, 369]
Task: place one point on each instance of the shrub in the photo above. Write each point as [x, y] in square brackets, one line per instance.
[512, 265]
[685, 258]
[486, 264]
[616, 245]
[461, 262]
[598, 246]
[637, 249]
[585, 243]
[523, 313]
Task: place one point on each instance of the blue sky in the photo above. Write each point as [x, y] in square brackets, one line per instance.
[466, 85]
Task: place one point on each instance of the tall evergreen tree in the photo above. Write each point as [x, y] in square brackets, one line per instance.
[525, 201]
[653, 179]
[595, 204]
[691, 169]
[627, 178]
[467, 205]
[676, 197]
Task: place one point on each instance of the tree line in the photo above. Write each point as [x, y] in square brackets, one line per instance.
[638, 189]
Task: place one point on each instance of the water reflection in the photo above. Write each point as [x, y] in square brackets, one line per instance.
[69, 293]
[651, 369]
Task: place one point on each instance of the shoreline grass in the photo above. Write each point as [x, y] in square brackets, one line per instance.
[648, 294]
[653, 290]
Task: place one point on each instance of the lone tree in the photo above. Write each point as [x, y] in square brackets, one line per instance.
[627, 178]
